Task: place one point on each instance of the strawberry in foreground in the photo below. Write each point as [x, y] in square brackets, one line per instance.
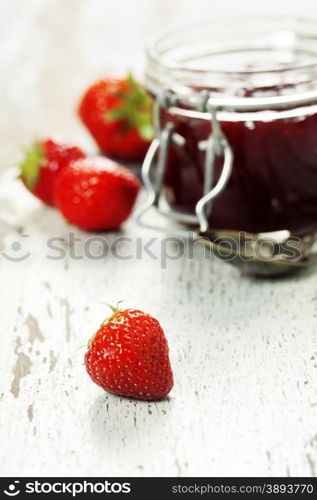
[42, 163]
[129, 356]
[96, 193]
[118, 114]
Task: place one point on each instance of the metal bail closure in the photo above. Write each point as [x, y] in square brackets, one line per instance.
[215, 146]
[157, 156]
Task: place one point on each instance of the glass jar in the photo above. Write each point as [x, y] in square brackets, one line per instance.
[236, 124]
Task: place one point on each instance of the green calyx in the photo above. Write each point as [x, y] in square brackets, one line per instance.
[136, 109]
[114, 311]
[106, 320]
[31, 164]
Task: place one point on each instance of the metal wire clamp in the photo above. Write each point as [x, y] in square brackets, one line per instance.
[216, 145]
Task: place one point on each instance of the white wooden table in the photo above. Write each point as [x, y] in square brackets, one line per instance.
[244, 351]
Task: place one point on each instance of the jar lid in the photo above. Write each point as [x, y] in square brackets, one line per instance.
[245, 64]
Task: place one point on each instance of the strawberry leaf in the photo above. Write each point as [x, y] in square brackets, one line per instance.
[146, 131]
[135, 110]
[31, 164]
[116, 114]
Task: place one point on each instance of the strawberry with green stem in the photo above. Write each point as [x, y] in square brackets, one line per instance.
[42, 163]
[118, 114]
[129, 356]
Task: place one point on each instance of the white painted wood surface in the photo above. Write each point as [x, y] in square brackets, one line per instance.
[244, 351]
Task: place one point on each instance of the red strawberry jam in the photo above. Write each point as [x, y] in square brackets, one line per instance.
[273, 184]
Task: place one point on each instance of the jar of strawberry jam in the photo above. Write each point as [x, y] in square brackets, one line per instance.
[236, 124]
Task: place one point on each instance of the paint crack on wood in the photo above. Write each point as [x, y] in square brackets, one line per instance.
[30, 412]
[21, 369]
[68, 312]
[34, 329]
[53, 361]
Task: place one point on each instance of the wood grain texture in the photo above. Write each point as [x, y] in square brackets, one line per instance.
[244, 351]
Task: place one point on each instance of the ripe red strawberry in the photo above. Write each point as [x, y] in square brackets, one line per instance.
[129, 356]
[96, 193]
[118, 114]
[42, 163]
